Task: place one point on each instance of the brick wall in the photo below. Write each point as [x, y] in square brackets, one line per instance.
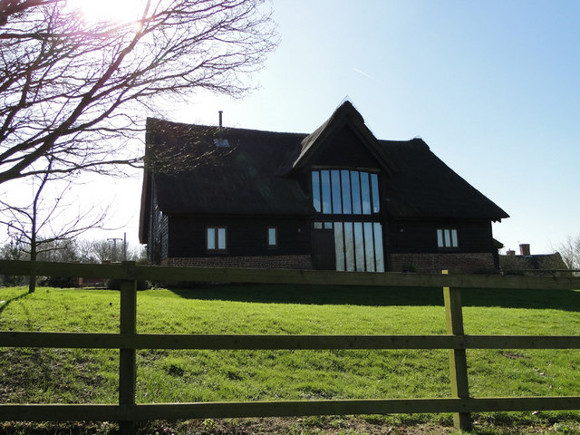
[270, 262]
[426, 263]
[434, 263]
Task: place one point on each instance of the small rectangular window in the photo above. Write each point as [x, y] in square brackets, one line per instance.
[221, 239]
[447, 238]
[355, 189]
[210, 239]
[272, 237]
[216, 239]
[336, 195]
[375, 190]
[346, 200]
[440, 238]
[316, 191]
[326, 195]
[221, 143]
[454, 239]
[365, 193]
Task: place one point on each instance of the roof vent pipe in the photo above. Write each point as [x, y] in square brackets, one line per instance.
[220, 115]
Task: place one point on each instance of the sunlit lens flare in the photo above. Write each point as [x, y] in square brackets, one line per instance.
[120, 11]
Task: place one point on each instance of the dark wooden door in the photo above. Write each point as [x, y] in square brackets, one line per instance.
[323, 255]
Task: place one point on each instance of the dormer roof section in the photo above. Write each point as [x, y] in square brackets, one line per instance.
[345, 116]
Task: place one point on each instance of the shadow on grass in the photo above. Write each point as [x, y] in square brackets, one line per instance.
[567, 300]
[7, 302]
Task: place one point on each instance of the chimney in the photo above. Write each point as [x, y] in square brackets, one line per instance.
[220, 114]
[524, 249]
[510, 253]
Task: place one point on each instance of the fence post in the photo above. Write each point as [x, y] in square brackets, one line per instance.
[457, 357]
[127, 360]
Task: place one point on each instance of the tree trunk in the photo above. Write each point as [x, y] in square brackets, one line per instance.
[32, 278]
[32, 283]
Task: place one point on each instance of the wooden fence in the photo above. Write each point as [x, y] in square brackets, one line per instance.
[127, 412]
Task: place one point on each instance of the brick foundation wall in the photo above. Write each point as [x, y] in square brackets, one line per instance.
[434, 263]
[271, 262]
[423, 263]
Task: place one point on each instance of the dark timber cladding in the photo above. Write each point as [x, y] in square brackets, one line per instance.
[339, 195]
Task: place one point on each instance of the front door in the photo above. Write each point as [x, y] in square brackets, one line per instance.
[323, 250]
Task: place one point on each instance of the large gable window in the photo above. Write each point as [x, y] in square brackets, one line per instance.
[344, 191]
[216, 239]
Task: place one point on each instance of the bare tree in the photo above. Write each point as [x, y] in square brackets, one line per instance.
[100, 251]
[40, 225]
[569, 249]
[73, 90]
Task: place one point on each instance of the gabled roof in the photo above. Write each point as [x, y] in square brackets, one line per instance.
[256, 174]
[245, 178]
[425, 187]
[346, 114]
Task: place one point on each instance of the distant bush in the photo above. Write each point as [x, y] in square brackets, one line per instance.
[115, 284]
[59, 281]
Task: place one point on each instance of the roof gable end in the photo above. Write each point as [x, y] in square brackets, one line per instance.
[345, 116]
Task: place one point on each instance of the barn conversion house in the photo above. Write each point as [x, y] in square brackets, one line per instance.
[335, 199]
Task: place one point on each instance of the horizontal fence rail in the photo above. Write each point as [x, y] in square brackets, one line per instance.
[131, 271]
[74, 340]
[127, 412]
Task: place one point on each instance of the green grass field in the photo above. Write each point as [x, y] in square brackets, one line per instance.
[82, 376]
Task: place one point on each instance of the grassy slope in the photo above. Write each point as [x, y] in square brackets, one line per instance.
[63, 375]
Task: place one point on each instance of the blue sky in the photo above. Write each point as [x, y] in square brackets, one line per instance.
[492, 86]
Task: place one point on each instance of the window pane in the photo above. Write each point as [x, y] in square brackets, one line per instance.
[379, 247]
[447, 238]
[211, 238]
[375, 191]
[317, 225]
[345, 176]
[454, 238]
[339, 246]
[325, 179]
[221, 238]
[316, 190]
[365, 192]
[355, 186]
[440, 238]
[327, 225]
[272, 237]
[359, 247]
[336, 196]
[349, 246]
[369, 249]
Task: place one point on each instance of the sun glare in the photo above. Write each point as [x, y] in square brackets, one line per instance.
[121, 11]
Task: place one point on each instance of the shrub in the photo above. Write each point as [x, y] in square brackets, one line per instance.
[59, 281]
[115, 284]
